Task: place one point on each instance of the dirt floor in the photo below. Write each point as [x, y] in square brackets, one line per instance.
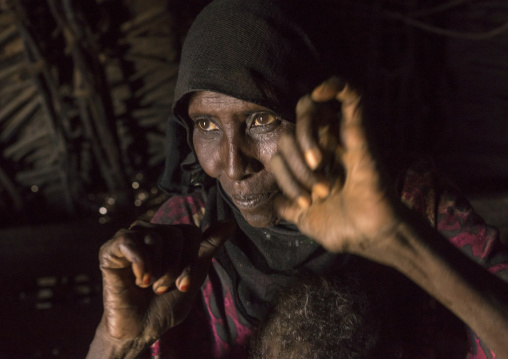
[51, 288]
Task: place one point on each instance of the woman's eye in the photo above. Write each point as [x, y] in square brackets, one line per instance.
[206, 125]
[263, 119]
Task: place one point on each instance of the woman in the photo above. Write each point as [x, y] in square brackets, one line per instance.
[306, 196]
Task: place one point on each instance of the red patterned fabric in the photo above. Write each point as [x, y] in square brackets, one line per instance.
[446, 209]
[225, 334]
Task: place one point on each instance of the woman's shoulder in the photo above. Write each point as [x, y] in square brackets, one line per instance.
[420, 186]
[428, 192]
[181, 209]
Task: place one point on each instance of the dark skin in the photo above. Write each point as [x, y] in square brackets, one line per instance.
[234, 141]
[253, 153]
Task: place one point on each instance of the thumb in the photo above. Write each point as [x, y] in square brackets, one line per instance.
[288, 210]
[214, 237]
[212, 240]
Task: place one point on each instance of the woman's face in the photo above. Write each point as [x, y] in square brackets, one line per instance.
[234, 141]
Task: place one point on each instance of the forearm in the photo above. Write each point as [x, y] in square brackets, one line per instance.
[476, 296]
[104, 346]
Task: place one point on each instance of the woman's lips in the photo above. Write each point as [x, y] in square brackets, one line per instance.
[252, 201]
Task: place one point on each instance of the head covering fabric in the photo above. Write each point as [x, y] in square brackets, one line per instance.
[251, 50]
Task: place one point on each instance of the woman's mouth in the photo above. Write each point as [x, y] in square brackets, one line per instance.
[252, 201]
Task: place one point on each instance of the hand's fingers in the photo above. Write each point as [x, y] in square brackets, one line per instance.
[328, 89]
[317, 129]
[183, 281]
[288, 210]
[192, 235]
[329, 137]
[178, 250]
[214, 237]
[171, 260]
[348, 95]
[306, 113]
[124, 250]
[352, 132]
[312, 182]
[287, 182]
[153, 242]
[165, 282]
[154, 253]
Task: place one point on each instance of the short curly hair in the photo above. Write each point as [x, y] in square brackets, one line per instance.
[337, 317]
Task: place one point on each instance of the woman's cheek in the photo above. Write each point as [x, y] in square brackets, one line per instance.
[269, 145]
[208, 155]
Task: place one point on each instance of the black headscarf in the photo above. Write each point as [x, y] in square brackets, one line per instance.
[252, 50]
[269, 53]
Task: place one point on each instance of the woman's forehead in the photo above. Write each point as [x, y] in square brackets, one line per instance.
[210, 102]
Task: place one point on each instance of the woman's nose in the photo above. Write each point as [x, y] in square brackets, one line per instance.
[239, 161]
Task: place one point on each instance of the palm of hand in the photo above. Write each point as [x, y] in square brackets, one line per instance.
[353, 216]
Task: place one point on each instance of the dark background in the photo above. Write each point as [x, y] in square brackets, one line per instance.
[85, 91]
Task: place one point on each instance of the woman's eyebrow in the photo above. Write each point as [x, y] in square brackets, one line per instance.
[201, 114]
[259, 110]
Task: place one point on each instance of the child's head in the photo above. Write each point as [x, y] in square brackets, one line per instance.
[336, 316]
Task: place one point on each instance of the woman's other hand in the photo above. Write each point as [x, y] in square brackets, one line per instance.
[334, 190]
[151, 275]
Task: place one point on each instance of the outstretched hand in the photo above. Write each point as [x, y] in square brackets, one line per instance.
[334, 190]
[151, 275]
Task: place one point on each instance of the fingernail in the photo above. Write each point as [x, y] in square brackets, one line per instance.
[147, 279]
[184, 284]
[312, 157]
[161, 289]
[320, 89]
[303, 202]
[321, 189]
[341, 95]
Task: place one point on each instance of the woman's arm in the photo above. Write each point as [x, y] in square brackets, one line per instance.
[337, 193]
[477, 297]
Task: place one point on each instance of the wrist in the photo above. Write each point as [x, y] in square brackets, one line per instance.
[398, 245]
[106, 346]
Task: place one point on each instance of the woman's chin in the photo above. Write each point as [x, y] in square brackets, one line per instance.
[260, 220]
